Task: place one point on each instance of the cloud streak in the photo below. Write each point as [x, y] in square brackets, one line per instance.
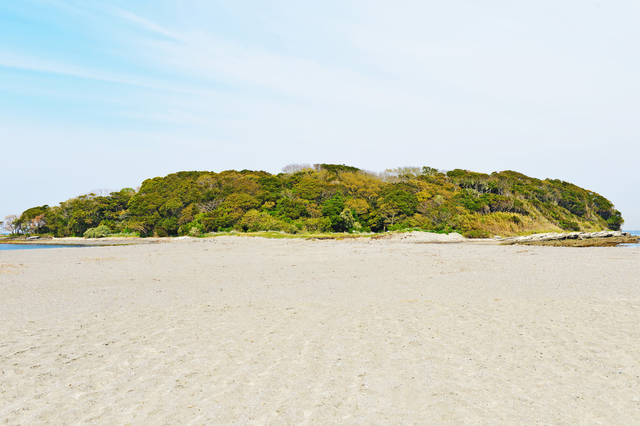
[372, 84]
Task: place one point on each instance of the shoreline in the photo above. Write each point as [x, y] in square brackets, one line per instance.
[417, 237]
[111, 241]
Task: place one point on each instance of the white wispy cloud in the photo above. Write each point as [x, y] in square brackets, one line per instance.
[148, 24]
[450, 84]
[209, 57]
[38, 64]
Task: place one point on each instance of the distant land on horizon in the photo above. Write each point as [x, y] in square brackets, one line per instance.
[329, 198]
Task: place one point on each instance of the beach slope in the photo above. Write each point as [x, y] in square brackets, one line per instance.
[253, 331]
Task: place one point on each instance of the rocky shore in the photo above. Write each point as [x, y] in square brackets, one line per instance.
[575, 239]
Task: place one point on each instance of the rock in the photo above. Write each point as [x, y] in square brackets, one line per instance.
[554, 236]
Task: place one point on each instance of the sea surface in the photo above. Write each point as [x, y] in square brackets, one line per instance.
[33, 246]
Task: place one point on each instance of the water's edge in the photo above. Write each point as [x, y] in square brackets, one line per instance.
[635, 232]
[5, 246]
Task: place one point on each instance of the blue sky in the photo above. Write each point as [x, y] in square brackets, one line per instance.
[104, 94]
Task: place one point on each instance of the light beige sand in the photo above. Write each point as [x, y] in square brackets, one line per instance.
[252, 331]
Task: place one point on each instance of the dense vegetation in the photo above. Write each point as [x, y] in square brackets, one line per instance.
[331, 198]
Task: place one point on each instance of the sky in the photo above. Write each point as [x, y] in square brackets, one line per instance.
[104, 94]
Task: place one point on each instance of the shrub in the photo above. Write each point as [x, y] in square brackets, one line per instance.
[569, 225]
[254, 221]
[347, 219]
[99, 232]
[319, 224]
[476, 233]
[615, 221]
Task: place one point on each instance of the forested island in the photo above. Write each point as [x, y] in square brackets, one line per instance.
[328, 198]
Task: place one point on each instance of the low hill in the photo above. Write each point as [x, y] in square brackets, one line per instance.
[332, 198]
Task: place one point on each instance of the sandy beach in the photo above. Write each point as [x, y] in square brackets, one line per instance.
[253, 331]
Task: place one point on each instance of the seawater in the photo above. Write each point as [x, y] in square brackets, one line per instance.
[31, 246]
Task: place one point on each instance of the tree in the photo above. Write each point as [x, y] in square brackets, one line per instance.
[361, 185]
[347, 219]
[401, 174]
[336, 168]
[38, 223]
[399, 196]
[9, 223]
[310, 188]
[429, 171]
[325, 197]
[437, 211]
[209, 206]
[33, 220]
[295, 168]
[140, 228]
[390, 213]
[332, 209]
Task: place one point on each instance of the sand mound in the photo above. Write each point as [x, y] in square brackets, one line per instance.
[423, 237]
